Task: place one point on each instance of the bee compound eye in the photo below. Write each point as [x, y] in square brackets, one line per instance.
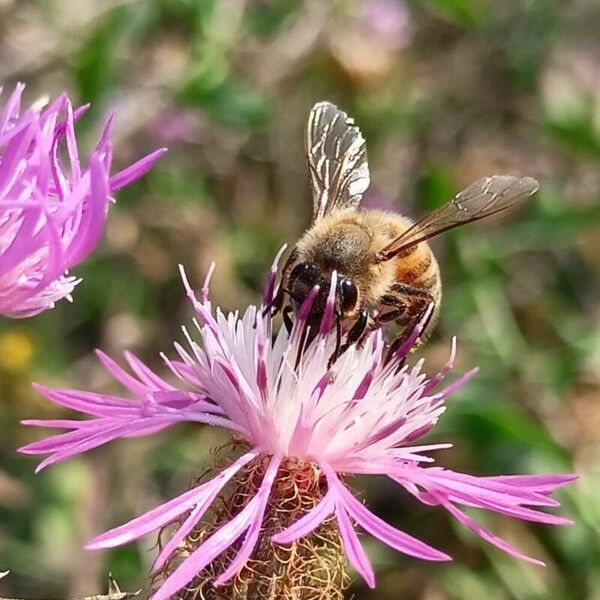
[305, 272]
[348, 294]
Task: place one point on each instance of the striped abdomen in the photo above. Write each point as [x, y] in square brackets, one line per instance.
[418, 268]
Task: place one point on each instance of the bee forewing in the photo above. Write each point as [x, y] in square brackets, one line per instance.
[496, 192]
[486, 197]
[337, 160]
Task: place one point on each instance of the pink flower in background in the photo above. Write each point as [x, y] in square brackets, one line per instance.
[51, 216]
[179, 124]
[390, 21]
[362, 415]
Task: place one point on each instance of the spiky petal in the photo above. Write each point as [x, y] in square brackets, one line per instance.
[51, 216]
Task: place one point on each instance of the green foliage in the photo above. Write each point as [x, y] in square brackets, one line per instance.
[468, 13]
[96, 66]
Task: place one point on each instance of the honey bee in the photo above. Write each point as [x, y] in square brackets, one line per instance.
[385, 268]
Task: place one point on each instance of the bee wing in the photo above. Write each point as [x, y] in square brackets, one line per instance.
[337, 160]
[486, 197]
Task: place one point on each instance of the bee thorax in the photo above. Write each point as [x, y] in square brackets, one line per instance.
[343, 248]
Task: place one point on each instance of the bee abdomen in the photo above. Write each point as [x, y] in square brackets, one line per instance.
[420, 269]
[417, 267]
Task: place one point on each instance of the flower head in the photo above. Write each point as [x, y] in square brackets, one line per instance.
[51, 217]
[295, 414]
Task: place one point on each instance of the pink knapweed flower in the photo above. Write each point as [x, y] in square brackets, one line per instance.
[362, 415]
[51, 215]
[390, 20]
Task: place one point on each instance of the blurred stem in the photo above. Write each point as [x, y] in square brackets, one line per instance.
[114, 592]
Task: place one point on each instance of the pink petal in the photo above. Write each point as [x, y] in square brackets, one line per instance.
[539, 483]
[135, 171]
[253, 532]
[309, 522]
[93, 217]
[11, 110]
[186, 527]
[269, 292]
[517, 512]
[328, 313]
[107, 132]
[505, 500]
[485, 534]
[22, 243]
[72, 144]
[386, 533]
[53, 443]
[101, 437]
[456, 385]
[121, 375]
[169, 511]
[145, 374]
[484, 488]
[55, 423]
[207, 552]
[15, 151]
[91, 403]
[433, 381]
[402, 351]
[354, 551]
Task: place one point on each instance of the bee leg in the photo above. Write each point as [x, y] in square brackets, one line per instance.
[409, 325]
[407, 292]
[338, 338]
[410, 292]
[401, 339]
[358, 330]
[393, 348]
[414, 301]
[399, 309]
[365, 324]
[287, 319]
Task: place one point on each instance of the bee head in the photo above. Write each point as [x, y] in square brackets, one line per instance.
[306, 275]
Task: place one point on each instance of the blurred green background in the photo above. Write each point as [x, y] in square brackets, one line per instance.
[445, 91]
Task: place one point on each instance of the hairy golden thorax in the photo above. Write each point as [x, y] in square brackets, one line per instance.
[348, 242]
